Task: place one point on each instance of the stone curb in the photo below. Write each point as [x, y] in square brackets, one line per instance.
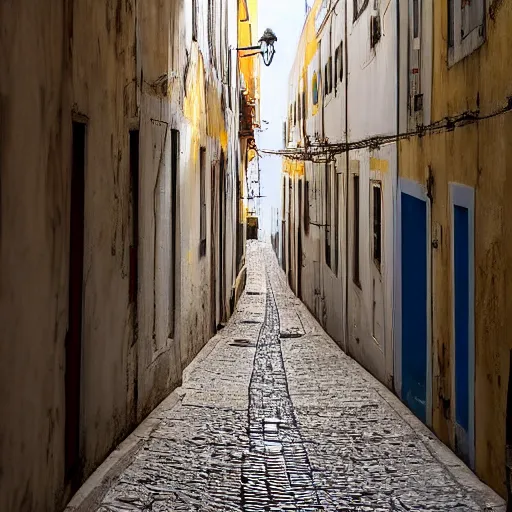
[462, 474]
[482, 494]
[88, 498]
[94, 489]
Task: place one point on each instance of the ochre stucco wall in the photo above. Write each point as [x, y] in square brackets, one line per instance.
[478, 155]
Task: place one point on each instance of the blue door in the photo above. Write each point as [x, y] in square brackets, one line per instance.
[461, 322]
[414, 304]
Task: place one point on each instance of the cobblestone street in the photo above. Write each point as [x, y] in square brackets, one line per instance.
[272, 415]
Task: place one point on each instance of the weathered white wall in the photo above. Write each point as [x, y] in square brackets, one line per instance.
[117, 67]
[369, 103]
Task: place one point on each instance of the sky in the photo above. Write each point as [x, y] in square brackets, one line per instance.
[286, 19]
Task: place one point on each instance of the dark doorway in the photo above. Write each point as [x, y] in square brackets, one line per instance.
[75, 308]
[214, 233]
[222, 200]
[175, 155]
[299, 241]
[289, 269]
[134, 257]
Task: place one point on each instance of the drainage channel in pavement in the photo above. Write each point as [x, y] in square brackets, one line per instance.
[276, 473]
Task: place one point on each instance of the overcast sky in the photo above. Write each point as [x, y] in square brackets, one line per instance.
[286, 19]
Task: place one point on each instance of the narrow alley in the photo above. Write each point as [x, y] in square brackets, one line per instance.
[272, 415]
[255, 255]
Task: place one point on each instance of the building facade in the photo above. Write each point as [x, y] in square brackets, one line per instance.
[395, 228]
[121, 213]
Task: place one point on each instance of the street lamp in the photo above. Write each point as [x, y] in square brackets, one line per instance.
[266, 47]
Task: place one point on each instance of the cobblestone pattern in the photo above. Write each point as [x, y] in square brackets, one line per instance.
[363, 455]
[282, 424]
[276, 473]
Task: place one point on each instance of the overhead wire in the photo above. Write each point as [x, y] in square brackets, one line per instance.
[322, 150]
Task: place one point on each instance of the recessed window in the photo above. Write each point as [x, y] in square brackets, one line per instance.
[329, 73]
[327, 223]
[326, 81]
[338, 65]
[202, 201]
[415, 18]
[377, 225]
[451, 23]
[355, 260]
[194, 20]
[336, 219]
[306, 207]
[359, 7]
[314, 88]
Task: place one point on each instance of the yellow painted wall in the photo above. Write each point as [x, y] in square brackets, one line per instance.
[248, 35]
[478, 155]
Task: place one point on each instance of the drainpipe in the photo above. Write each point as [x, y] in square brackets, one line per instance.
[347, 182]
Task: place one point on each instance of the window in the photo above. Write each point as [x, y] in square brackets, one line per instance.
[377, 225]
[202, 201]
[359, 7]
[212, 32]
[451, 23]
[329, 69]
[304, 114]
[336, 218]
[327, 192]
[194, 20]
[375, 31]
[306, 208]
[290, 121]
[338, 65]
[325, 79]
[472, 16]
[175, 163]
[355, 262]
[328, 77]
[314, 88]
[415, 18]
[295, 113]
[134, 196]
[466, 28]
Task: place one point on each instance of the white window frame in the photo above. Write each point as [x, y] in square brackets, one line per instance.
[464, 46]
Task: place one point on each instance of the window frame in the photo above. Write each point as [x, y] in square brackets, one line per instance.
[459, 45]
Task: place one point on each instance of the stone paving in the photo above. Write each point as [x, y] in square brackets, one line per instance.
[273, 416]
